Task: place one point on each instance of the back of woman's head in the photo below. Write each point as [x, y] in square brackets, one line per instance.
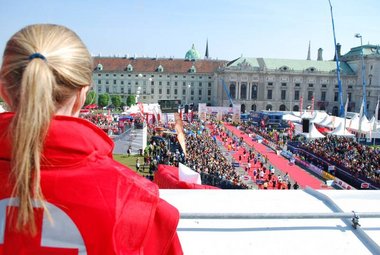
[43, 67]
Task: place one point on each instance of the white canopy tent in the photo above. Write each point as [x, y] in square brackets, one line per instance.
[341, 131]
[313, 133]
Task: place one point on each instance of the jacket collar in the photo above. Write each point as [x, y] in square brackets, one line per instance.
[70, 141]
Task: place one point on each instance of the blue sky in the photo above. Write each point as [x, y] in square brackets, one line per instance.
[270, 28]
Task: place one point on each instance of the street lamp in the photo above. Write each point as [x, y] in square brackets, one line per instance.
[187, 93]
[364, 102]
[363, 75]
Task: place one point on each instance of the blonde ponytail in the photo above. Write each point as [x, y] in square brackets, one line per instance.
[29, 129]
[43, 67]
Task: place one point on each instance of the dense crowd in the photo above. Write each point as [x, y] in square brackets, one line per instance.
[360, 160]
[108, 123]
[205, 157]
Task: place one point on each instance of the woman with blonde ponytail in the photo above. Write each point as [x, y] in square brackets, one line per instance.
[60, 189]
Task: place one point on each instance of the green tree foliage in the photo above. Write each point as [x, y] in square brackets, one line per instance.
[116, 100]
[90, 99]
[131, 100]
[103, 99]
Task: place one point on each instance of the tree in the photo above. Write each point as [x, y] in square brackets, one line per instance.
[131, 100]
[116, 100]
[90, 99]
[103, 100]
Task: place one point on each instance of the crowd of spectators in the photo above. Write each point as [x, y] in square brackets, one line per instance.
[205, 157]
[111, 124]
[360, 160]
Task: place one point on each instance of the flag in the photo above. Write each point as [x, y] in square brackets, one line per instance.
[301, 104]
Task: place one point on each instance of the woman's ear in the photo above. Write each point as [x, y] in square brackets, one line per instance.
[80, 100]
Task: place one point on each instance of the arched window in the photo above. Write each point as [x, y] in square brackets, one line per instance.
[269, 107]
[296, 108]
[282, 107]
[253, 107]
[233, 90]
[99, 67]
[335, 111]
[242, 108]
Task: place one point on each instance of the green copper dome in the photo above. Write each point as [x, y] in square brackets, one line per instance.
[192, 54]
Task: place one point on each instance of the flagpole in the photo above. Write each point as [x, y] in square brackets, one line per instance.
[341, 107]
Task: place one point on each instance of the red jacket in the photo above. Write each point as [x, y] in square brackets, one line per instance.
[98, 206]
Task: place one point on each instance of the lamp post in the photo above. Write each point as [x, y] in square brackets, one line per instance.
[187, 93]
[138, 94]
[364, 102]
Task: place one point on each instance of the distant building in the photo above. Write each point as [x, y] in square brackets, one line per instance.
[255, 83]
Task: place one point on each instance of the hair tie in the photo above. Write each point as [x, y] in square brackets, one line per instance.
[37, 55]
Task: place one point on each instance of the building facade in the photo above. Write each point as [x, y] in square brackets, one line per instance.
[255, 83]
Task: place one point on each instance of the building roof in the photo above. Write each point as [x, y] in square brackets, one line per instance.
[276, 235]
[289, 65]
[150, 65]
[367, 50]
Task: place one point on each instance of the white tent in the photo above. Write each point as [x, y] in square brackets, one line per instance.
[291, 117]
[1, 109]
[313, 133]
[326, 122]
[365, 124]
[341, 131]
[319, 116]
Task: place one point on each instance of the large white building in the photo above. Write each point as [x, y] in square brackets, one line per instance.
[255, 83]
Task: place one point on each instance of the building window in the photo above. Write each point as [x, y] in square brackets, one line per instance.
[107, 82]
[309, 95]
[114, 82]
[168, 91]
[324, 86]
[122, 82]
[159, 91]
[323, 96]
[99, 89]
[199, 92]
[297, 85]
[254, 92]
[209, 84]
[200, 84]
[283, 84]
[209, 92]
[175, 91]
[99, 82]
[335, 96]
[296, 95]
[160, 83]
[151, 90]
[129, 91]
[269, 95]
[183, 91]
[107, 89]
[311, 85]
[152, 83]
[168, 83]
[270, 83]
[122, 90]
[175, 83]
[283, 94]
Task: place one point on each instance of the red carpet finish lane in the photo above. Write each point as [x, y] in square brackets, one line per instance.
[295, 172]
